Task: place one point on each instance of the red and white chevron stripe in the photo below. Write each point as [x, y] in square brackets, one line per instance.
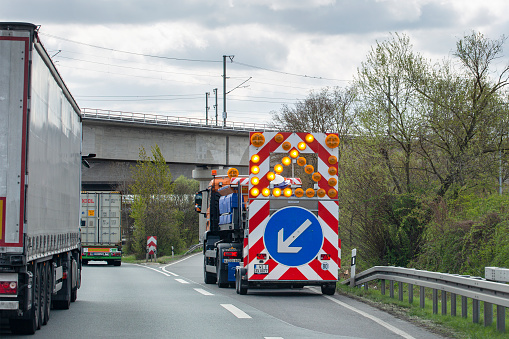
[260, 212]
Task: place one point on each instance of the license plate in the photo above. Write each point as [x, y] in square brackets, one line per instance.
[261, 269]
[231, 260]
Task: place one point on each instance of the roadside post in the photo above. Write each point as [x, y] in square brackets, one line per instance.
[352, 268]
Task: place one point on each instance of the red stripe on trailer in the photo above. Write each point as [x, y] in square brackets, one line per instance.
[259, 216]
[316, 265]
[258, 247]
[330, 249]
[268, 147]
[328, 218]
[245, 252]
[293, 273]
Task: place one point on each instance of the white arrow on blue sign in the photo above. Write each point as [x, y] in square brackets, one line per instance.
[293, 236]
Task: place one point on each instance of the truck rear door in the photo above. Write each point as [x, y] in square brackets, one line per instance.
[14, 69]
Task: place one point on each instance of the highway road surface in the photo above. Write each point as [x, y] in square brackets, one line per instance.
[171, 301]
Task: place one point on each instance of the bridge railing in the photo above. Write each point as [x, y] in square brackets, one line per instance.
[475, 288]
[147, 118]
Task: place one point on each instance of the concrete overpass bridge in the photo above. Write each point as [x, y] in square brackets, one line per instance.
[191, 147]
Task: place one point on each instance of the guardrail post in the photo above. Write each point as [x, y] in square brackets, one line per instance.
[476, 310]
[464, 307]
[444, 302]
[366, 286]
[352, 267]
[410, 293]
[422, 297]
[488, 313]
[400, 291]
[391, 288]
[382, 286]
[435, 301]
[501, 318]
[453, 304]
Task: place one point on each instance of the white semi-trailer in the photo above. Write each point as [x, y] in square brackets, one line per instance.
[40, 182]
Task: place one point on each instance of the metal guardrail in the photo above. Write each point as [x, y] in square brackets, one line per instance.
[475, 288]
[192, 248]
[165, 120]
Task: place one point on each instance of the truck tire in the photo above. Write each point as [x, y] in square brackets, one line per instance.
[74, 294]
[221, 281]
[208, 278]
[49, 291]
[117, 263]
[240, 287]
[32, 324]
[66, 289]
[38, 296]
[329, 289]
[45, 293]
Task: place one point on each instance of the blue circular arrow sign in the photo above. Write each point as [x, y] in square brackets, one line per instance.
[293, 236]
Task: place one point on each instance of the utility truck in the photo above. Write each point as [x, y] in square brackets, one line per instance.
[273, 228]
[101, 235]
[40, 183]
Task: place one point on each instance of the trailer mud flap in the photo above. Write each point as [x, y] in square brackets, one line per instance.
[231, 270]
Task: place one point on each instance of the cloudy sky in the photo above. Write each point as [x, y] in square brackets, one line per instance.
[162, 56]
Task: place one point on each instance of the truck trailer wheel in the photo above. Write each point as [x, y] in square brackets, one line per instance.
[239, 286]
[329, 289]
[46, 292]
[32, 324]
[222, 278]
[64, 295]
[208, 278]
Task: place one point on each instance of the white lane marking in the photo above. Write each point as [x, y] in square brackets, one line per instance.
[173, 274]
[182, 281]
[236, 312]
[369, 316]
[273, 338]
[154, 269]
[176, 262]
[202, 291]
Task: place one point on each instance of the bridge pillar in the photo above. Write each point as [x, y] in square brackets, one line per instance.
[204, 175]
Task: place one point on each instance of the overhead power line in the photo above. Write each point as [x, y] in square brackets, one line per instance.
[127, 52]
[286, 73]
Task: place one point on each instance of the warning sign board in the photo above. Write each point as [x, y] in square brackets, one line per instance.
[151, 244]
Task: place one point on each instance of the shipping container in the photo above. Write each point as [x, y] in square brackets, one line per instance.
[101, 232]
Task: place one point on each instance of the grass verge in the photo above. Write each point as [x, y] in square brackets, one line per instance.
[444, 325]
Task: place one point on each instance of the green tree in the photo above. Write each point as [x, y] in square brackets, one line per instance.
[152, 203]
[463, 119]
[183, 209]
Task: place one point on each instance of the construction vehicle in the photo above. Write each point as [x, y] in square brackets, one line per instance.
[101, 234]
[40, 183]
[272, 228]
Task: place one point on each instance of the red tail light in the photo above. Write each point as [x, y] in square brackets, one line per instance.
[8, 287]
[230, 254]
[325, 257]
[261, 256]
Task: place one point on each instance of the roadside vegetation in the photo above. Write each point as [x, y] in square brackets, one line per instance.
[423, 160]
[424, 144]
[158, 206]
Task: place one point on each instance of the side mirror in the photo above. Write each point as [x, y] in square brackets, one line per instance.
[198, 200]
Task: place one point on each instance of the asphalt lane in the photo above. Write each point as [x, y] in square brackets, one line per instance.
[308, 309]
[171, 301]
